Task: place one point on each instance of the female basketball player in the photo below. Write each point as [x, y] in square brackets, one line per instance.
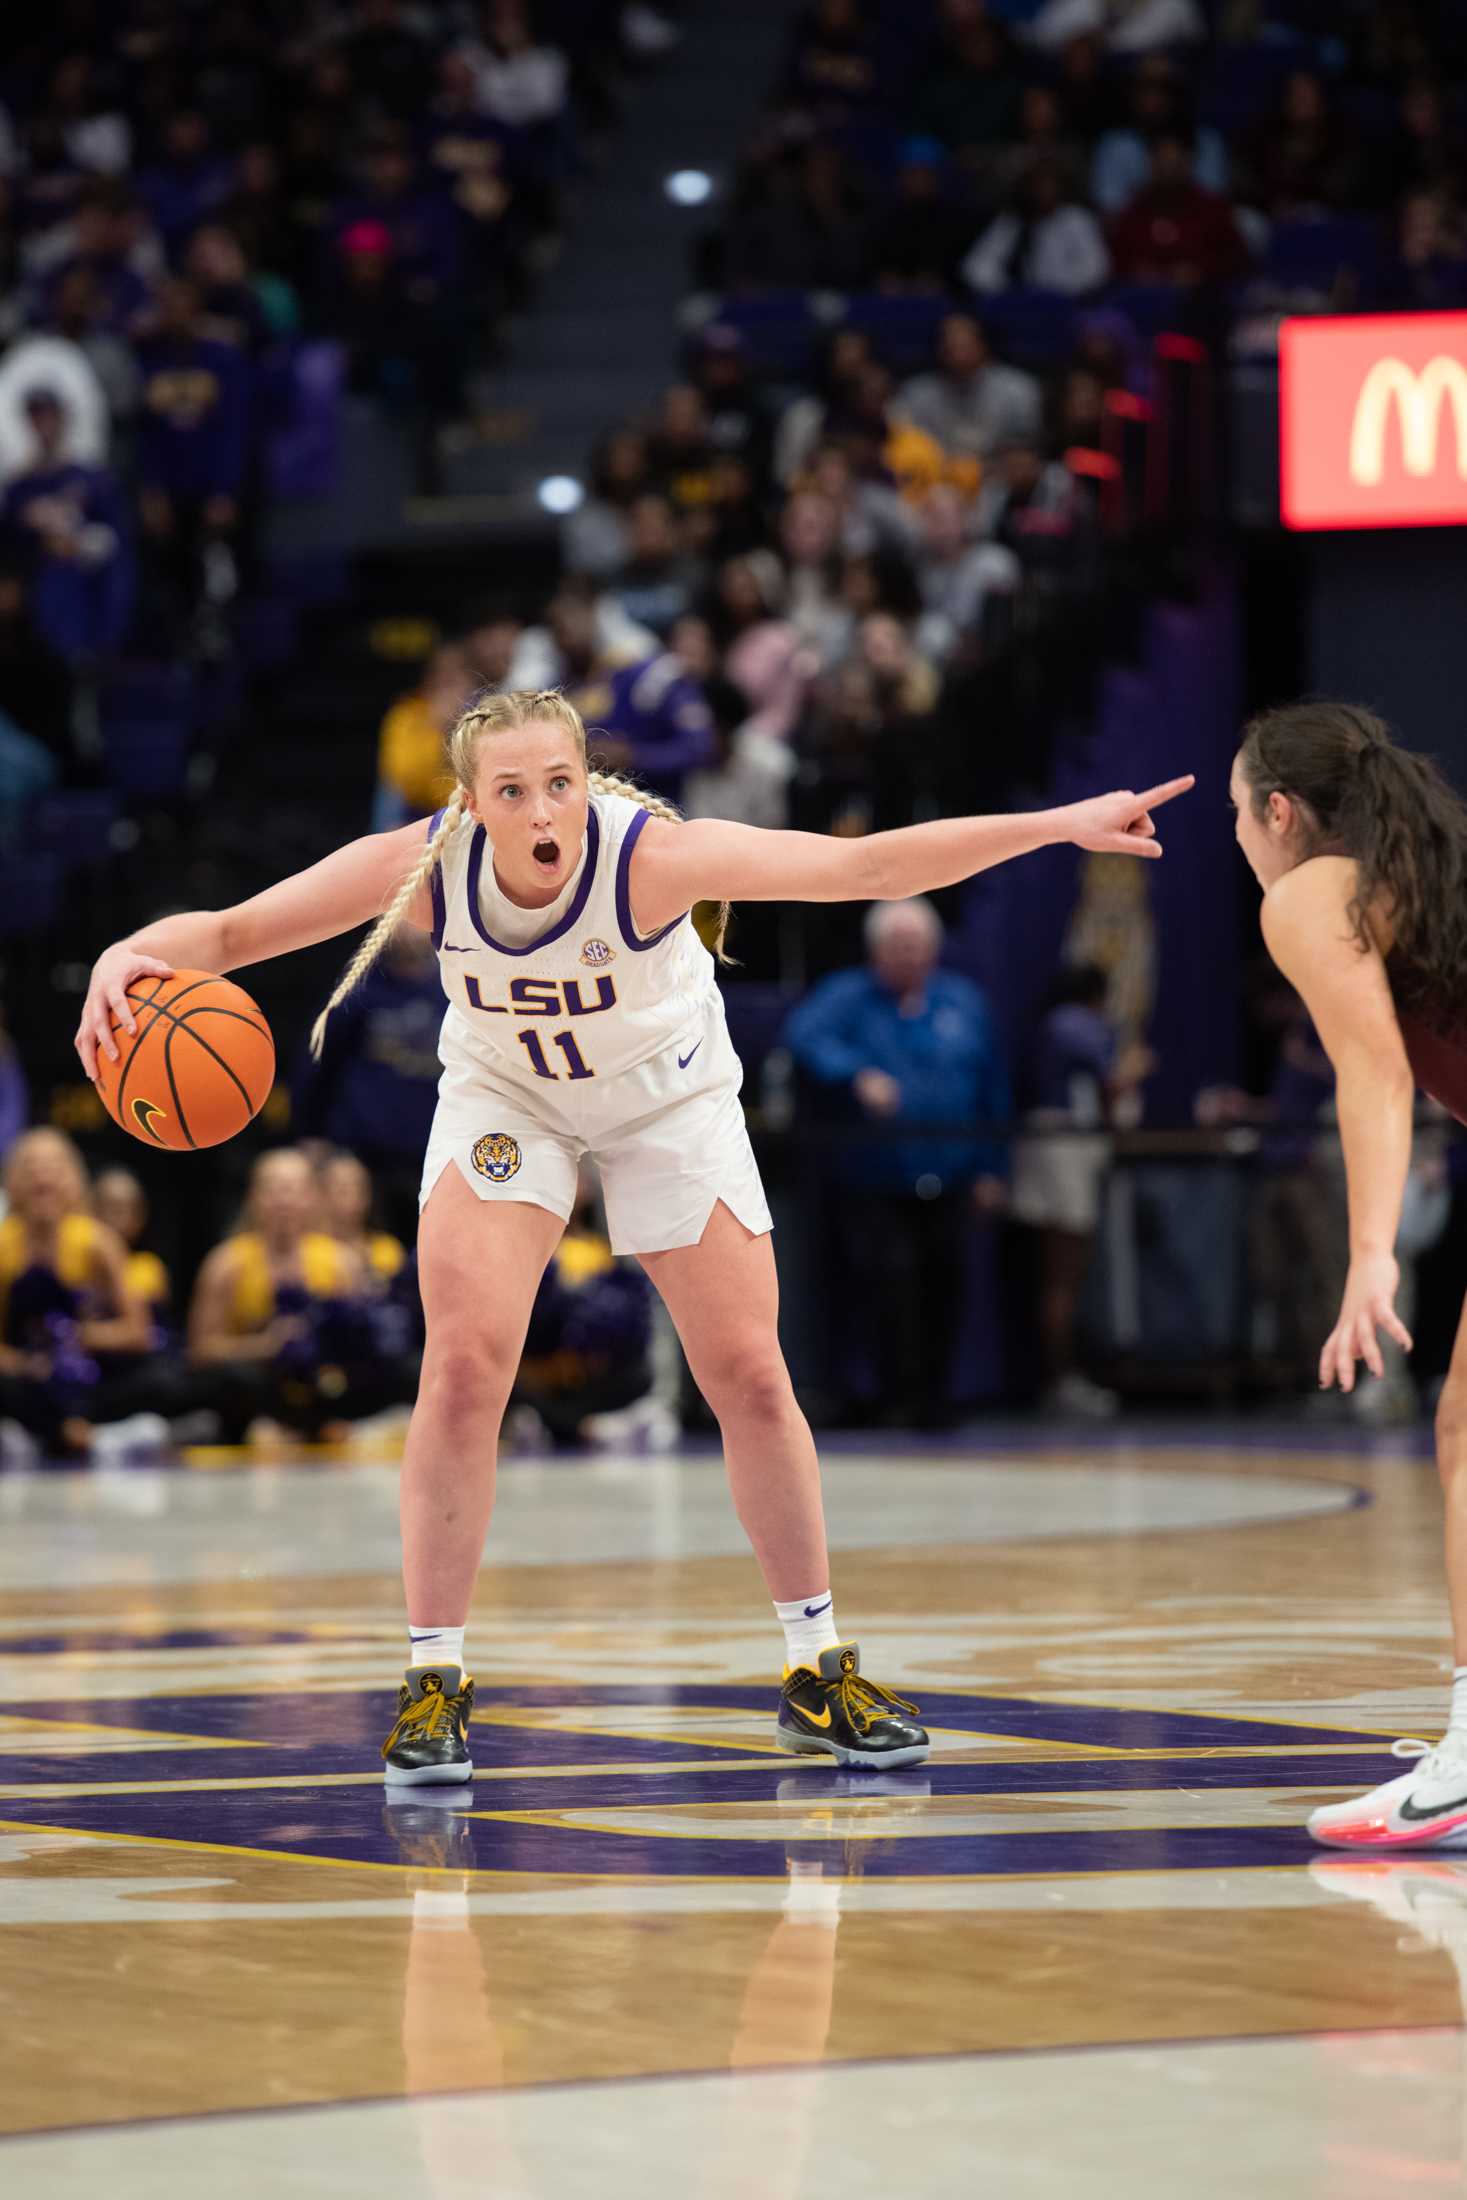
[1361, 850]
[583, 1017]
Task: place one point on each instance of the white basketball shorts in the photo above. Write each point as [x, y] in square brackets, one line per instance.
[662, 1174]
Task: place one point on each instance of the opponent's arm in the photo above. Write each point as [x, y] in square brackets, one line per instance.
[1309, 935]
[343, 890]
[709, 859]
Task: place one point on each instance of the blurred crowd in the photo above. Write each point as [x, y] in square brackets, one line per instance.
[193, 202]
[873, 524]
[1062, 144]
[302, 1324]
[795, 574]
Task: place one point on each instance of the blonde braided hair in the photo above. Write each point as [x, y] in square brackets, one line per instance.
[497, 714]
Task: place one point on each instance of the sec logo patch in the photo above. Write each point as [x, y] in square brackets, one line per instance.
[597, 954]
[497, 1156]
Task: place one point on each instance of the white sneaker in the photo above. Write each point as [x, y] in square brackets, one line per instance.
[649, 1425]
[1424, 1808]
[18, 1448]
[139, 1433]
[1075, 1398]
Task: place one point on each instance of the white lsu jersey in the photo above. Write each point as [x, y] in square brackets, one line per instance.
[587, 1038]
[589, 1017]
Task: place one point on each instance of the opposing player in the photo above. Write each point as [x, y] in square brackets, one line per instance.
[1361, 850]
[583, 1016]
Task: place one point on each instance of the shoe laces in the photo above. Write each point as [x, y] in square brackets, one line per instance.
[1433, 1758]
[420, 1720]
[864, 1701]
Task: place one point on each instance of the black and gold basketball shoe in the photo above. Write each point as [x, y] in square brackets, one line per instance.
[836, 1713]
[429, 1745]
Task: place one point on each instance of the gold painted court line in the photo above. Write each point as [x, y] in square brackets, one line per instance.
[711, 1880]
[161, 1735]
[845, 1828]
[60, 1791]
[351, 1864]
[53, 1791]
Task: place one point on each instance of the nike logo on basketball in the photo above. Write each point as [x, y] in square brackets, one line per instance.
[143, 1112]
[813, 1611]
[684, 1059]
[1416, 1817]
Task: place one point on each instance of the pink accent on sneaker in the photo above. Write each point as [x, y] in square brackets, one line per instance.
[1376, 1832]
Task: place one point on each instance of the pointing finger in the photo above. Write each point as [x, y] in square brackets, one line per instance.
[1167, 791]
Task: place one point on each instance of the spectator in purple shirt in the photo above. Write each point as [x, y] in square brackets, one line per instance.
[188, 182]
[107, 239]
[63, 525]
[193, 446]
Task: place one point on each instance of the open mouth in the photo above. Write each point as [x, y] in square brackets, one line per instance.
[546, 854]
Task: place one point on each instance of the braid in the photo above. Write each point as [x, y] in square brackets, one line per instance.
[713, 927]
[392, 915]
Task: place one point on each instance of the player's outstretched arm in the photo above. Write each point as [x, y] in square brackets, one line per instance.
[674, 866]
[342, 891]
[1307, 927]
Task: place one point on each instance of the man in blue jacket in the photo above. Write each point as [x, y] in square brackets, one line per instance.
[909, 1053]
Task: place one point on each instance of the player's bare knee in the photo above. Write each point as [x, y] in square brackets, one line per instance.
[751, 1388]
[468, 1375]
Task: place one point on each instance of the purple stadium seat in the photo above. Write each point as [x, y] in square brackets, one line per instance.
[1314, 254]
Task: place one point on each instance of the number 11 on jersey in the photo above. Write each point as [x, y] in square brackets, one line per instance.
[565, 1040]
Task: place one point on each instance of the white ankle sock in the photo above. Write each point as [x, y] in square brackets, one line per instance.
[809, 1628]
[436, 1646]
[1457, 1723]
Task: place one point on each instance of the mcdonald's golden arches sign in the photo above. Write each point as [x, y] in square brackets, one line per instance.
[1373, 421]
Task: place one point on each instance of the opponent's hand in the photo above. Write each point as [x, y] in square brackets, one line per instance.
[107, 1001]
[1120, 824]
[1369, 1305]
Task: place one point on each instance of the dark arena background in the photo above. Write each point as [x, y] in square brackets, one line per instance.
[866, 412]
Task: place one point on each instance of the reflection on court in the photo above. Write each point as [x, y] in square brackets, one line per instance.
[828, 1975]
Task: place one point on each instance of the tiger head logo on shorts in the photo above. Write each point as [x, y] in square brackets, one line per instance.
[497, 1156]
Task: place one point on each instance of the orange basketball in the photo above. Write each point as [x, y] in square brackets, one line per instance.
[198, 1067]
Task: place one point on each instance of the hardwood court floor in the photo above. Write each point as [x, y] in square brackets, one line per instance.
[1087, 1944]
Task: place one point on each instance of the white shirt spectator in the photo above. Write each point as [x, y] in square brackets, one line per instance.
[975, 412]
[1065, 251]
[102, 144]
[537, 661]
[954, 591]
[50, 363]
[1128, 26]
[519, 89]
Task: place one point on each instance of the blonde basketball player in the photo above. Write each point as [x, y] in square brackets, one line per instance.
[583, 1017]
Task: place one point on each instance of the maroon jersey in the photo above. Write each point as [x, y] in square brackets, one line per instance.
[1438, 1061]
[1435, 1038]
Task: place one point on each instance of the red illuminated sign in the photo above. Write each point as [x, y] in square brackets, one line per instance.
[1373, 421]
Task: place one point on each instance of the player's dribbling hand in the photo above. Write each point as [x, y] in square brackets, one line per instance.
[107, 1001]
[1369, 1305]
[1121, 824]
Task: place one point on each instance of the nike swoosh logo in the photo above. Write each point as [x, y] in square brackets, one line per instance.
[813, 1611]
[450, 949]
[816, 1718]
[1416, 1817]
[684, 1059]
[143, 1112]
